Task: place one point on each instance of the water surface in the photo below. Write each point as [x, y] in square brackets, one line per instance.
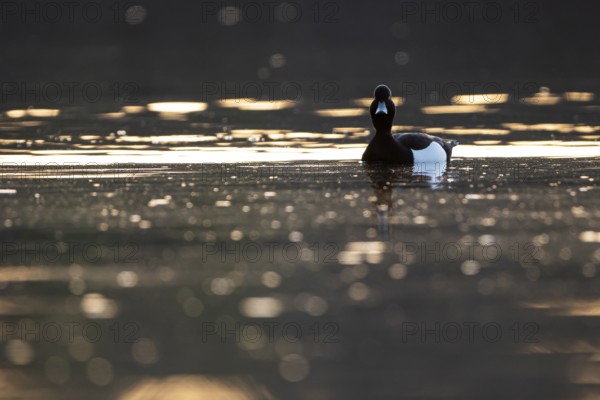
[245, 262]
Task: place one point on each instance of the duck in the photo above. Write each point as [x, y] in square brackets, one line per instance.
[401, 148]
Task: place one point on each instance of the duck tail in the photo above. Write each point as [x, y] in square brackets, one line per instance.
[453, 143]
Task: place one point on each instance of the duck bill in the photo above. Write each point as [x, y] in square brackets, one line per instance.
[381, 108]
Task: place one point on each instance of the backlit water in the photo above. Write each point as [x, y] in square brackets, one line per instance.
[247, 261]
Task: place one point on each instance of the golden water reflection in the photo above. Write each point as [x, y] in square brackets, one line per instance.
[33, 112]
[488, 98]
[579, 96]
[542, 98]
[302, 151]
[342, 112]
[457, 109]
[180, 107]
[249, 104]
[196, 387]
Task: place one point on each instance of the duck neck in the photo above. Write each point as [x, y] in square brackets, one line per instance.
[383, 132]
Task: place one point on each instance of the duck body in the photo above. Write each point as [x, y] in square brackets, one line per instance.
[406, 148]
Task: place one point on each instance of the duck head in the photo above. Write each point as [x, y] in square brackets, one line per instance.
[382, 109]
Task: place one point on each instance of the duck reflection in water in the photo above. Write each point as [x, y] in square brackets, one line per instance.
[384, 177]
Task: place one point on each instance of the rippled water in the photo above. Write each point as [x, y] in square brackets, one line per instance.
[138, 265]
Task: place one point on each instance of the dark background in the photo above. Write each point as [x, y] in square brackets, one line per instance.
[169, 50]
